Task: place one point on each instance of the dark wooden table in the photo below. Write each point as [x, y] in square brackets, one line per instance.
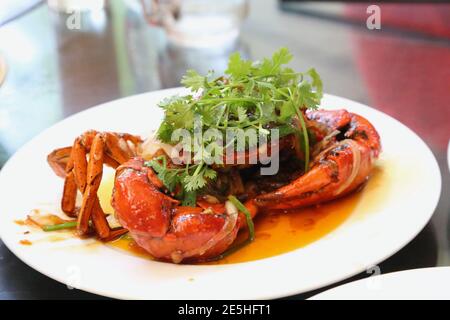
[402, 69]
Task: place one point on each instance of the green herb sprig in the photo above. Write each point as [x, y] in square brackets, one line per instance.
[248, 217]
[253, 94]
[61, 226]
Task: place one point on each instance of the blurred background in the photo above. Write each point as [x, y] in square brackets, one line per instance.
[58, 57]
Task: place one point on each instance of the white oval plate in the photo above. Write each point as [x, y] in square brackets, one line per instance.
[26, 183]
[417, 284]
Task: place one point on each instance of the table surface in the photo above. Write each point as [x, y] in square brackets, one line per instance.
[402, 69]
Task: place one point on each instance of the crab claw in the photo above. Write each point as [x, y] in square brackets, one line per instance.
[336, 171]
[161, 226]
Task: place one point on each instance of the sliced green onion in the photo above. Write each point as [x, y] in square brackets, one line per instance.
[305, 135]
[248, 216]
[305, 139]
[61, 226]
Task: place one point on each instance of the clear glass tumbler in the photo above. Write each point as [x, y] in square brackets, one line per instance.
[197, 23]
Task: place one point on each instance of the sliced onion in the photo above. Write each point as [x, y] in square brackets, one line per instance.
[112, 221]
[324, 142]
[211, 199]
[152, 145]
[123, 145]
[355, 166]
[231, 209]
[46, 220]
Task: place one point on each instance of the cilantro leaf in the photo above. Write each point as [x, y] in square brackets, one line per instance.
[237, 67]
[287, 110]
[210, 173]
[194, 182]
[316, 81]
[282, 56]
[270, 67]
[193, 80]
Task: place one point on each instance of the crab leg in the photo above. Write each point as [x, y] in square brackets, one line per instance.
[110, 162]
[94, 177]
[336, 171]
[69, 195]
[99, 220]
[117, 148]
[68, 200]
[80, 170]
[58, 160]
[75, 177]
[71, 164]
[80, 165]
[121, 147]
[114, 234]
[320, 183]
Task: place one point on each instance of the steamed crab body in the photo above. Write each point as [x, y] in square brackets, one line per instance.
[175, 233]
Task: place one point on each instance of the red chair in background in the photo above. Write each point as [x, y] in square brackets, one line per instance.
[406, 67]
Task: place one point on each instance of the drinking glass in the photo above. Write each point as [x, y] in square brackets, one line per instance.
[197, 23]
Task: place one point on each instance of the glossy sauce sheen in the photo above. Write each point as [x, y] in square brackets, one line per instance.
[278, 233]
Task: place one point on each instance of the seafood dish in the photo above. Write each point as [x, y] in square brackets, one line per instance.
[238, 145]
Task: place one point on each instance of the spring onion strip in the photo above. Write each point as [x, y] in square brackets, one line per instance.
[305, 139]
[248, 217]
[61, 226]
[304, 130]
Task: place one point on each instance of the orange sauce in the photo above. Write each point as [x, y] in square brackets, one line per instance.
[25, 242]
[128, 245]
[20, 222]
[283, 232]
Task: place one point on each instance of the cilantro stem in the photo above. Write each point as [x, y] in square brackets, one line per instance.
[229, 143]
[274, 75]
[220, 116]
[261, 112]
[244, 99]
[61, 226]
[197, 170]
[225, 123]
[248, 216]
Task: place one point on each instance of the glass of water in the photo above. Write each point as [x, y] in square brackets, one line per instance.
[197, 23]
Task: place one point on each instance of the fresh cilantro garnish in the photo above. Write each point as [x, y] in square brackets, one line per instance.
[258, 95]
